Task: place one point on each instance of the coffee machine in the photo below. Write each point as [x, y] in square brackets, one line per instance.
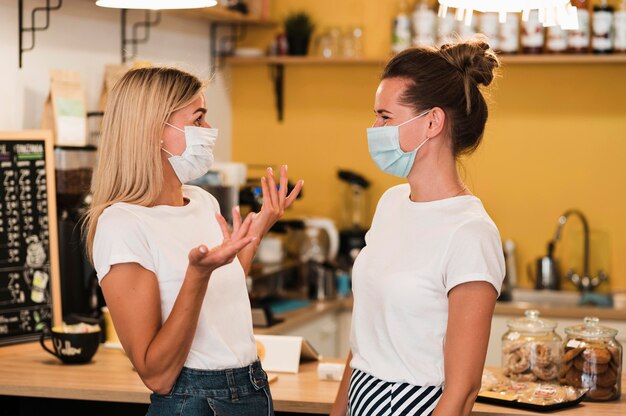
[80, 292]
[352, 234]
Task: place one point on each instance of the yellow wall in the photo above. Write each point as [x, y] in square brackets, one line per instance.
[556, 139]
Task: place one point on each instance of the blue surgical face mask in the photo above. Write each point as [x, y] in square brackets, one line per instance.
[384, 146]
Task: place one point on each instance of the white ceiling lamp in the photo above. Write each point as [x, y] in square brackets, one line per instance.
[156, 4]
[551, 12]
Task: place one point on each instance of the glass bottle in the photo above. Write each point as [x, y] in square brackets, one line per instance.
[401, 37]
[556, 39]
[578, 40]
[532, 34]
[489, 26]
[619, 28]
[592, 359]
[446, 29]
[602, 39]
[509, 34]
[531, 350]
[424, 24]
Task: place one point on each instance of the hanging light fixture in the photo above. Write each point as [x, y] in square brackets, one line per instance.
[551, 12]
[156, 4]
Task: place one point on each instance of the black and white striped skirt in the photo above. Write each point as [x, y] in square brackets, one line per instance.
[370, 396]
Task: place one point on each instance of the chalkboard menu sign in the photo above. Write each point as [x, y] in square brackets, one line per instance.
[29, 269]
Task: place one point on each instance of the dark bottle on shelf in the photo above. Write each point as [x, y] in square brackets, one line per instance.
[602, 28]
[578, 40]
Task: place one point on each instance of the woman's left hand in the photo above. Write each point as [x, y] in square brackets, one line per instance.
[275, 201]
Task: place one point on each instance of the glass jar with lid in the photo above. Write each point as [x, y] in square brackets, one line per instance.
[592, 359]
[531, 350]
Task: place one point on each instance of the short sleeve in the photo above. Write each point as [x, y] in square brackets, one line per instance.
[120, 239]
[474, 254]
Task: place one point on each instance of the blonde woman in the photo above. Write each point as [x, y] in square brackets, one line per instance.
[172, 273]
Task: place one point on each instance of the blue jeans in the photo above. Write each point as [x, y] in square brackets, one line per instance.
[232, 392]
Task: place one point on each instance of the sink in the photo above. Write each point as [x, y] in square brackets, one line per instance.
[546, 297]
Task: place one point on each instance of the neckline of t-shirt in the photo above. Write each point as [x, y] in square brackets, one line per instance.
[187, 194]
[439, 202]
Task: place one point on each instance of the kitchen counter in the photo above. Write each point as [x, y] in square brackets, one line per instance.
[518, 308]
[298, 317]
[28, 371]
[303, 315]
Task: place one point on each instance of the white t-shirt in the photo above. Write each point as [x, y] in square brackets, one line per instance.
[159, 239]
[415, 253]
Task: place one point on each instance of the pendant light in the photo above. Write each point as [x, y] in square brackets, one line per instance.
[156, 4]
[551, 12]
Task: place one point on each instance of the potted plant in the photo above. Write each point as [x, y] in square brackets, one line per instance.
[298, 29]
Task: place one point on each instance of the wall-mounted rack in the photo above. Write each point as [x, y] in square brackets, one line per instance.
[33, 27]
[218, 18]
[151, 18]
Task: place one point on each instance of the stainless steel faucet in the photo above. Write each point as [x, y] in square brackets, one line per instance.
[584, 282]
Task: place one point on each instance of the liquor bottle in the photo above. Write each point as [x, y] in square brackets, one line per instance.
[556, 40]
[424, 24]
[446, 29]
[466, 31]
[509, 34]
[602, 21]
[532, 34]
[488, 25]
[401, 37]
[619, 26]
[578, 40]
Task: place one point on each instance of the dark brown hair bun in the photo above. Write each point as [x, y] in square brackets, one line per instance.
[473, 58]
[449, 78]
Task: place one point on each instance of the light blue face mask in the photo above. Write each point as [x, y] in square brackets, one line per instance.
[384, 146]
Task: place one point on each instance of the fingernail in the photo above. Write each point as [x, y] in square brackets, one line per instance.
[202, 249]
[270, 169]
[237, 208]
[252, 239]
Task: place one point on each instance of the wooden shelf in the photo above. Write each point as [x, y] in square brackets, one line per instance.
[303, 60]
[223, 15]
[564, 59]
[507, 59]
[278, 64]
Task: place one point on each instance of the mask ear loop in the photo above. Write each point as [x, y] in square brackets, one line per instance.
[422, 144]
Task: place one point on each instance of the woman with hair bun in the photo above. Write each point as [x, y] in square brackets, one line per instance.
[172, 272]
[426, 283]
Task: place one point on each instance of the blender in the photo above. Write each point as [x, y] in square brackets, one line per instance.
[352, 234]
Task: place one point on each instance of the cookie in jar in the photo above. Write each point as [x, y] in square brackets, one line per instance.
[531, 350]
[592, 359]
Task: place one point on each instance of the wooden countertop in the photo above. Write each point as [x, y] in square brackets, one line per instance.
[27, 370]
[518, 308]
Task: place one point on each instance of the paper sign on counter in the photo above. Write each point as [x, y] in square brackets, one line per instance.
[281, 353]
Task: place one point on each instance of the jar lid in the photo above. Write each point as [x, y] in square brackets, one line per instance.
[531, 323]
[591, 328]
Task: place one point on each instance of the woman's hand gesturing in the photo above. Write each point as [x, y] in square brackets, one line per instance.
[275, 201]
[204, 261]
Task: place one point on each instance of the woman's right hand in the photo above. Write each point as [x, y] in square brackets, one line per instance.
[203, 261]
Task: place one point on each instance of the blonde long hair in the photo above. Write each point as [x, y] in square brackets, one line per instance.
[129, 160]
